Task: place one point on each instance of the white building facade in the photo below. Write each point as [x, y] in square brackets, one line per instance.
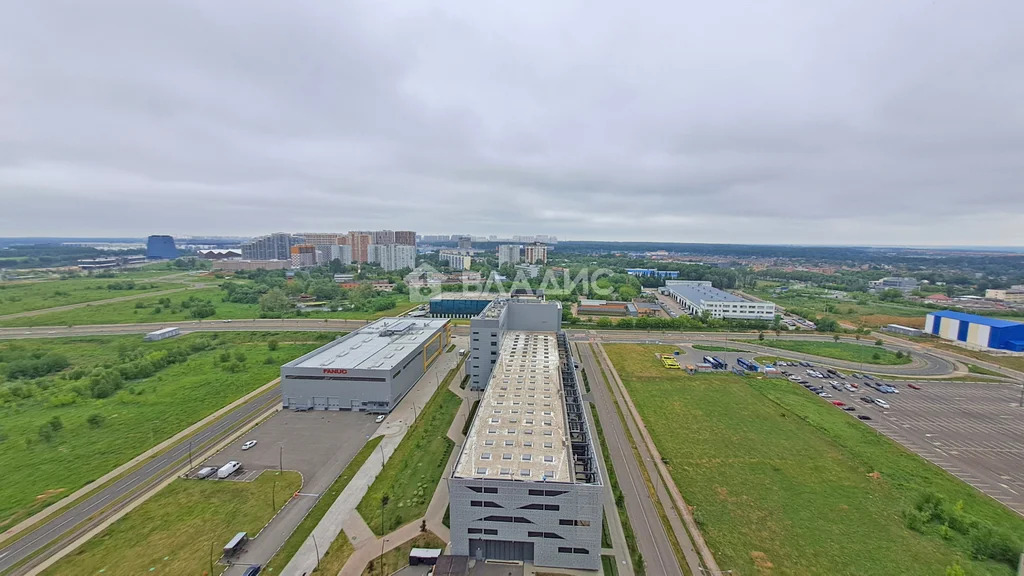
[699, 296]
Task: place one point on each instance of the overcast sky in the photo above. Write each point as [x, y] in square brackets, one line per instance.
[824, 122]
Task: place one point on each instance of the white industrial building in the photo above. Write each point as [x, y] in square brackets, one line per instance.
[698, 296]
[457, 259]
[508, 254]
[527, 486]
[370, 369]
[392, 257]
[162, 334]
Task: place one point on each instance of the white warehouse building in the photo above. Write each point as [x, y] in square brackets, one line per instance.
[698, 296]
[369, 370]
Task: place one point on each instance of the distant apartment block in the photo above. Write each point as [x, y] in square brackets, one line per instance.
[392, 257]
[536, 252]
[237, 265]
[277, 246]
[509, 254]
[303, 256]
[405, 237]
[641, 272]
[342, 253]
[465, 243]
[1013, 295]
[697, 297]
[456, 259]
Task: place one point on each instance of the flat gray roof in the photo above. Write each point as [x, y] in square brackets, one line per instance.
[703, 293]
[377, 346]
[464, 296]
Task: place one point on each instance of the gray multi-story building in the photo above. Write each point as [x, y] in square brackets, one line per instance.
[342, 253]
[487, 330]
[901, 283]
[392, 256]
[369, 370]
[275, 246]
[526, 485]
[508, 254]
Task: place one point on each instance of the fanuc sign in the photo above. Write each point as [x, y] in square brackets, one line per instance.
[335, 371]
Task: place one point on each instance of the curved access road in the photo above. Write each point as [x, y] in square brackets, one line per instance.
[60, 529]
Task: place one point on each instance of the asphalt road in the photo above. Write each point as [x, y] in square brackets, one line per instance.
[64, 526]
[652, 540]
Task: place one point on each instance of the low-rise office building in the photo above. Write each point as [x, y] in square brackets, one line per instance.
[369, 370]
[697, 297]
[526, 485]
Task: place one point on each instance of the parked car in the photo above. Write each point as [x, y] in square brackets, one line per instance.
[836, 386]
[857, 375]
[248, 444]
[380, 418]
[881, 403]
[206, 472]
[863, 417]
[867, 399]
[253, 570]
[913, 386]
[849, 408]
[868, 377]
[824, 394]
[839, 403]
[850, 389]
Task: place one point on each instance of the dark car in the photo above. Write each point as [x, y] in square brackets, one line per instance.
[863, 417]
[867, 399]
[849, 409]
[252, 570]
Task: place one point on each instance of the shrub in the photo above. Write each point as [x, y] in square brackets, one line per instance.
[272, 345]
[56, 424]
[46, 434]
[95, 420]
[240, 356]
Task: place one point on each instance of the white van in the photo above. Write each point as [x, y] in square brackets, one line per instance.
[462, 352]
[228, 469]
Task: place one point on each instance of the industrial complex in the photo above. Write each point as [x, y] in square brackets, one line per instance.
[697, 297]
[526, 485]
[368, 370]
[980, 331]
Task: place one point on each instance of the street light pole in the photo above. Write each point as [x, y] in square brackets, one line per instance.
[280, 459]
[317, 550]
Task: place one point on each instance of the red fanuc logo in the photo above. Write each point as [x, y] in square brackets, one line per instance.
[335, 371]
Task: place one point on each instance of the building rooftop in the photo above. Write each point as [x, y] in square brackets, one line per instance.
[464, 296]
[377, 346]
[520, 430]
[703, 293]
[975, 319]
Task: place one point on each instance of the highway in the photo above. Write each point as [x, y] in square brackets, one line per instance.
[65, 526]
[651, 537]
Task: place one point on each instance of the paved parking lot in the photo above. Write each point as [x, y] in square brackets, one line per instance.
[302, 441]
[973, 431]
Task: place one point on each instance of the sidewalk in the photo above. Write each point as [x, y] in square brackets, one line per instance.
[342, 514]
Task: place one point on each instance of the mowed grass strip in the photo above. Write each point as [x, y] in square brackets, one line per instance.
[37, 295]
[313, 517]
[144, 412]
[411, 474]
[837, 350]
[173, 532]
[783, 483]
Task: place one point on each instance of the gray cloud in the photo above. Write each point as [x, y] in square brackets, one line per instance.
[786, 121]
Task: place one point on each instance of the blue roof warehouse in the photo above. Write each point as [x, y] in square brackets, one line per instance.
[976, 330]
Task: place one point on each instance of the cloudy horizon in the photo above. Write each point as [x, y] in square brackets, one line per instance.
[782, 122]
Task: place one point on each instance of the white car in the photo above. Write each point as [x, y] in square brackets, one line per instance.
[881, 403]
[248, 444]
[380, 418]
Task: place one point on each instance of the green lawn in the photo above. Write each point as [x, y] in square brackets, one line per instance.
[146, 310]
[838, 350]
[609, 566]
[713, 348]
[335, 557]
[399, 556]
[35, 295]
[174, 531]
[39, 470]
[413, 471]
[303, 530]
[1012, 362]
[783, 483]
[983, 371]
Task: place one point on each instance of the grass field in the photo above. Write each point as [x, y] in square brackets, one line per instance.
[872, 313]
[1012, 362]
[39, 470]
[838, 350]
[145, 310]
[174, 531]
[335, 557]
[35, 295]
[303, 530]
[713, 348]
[399, 556]
[973, 369]
[609, 566]
[413, 471]
[783, 483]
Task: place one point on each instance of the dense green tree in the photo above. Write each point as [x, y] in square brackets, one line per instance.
[275, 304]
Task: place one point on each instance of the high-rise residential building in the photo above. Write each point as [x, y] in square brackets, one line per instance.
[319, 238]
[456, 259]
[161, 247]
[535, 252]
[405, 237]
[508, 254]
[303, 255]
[359, 241]
[383, 236]
[392, 257]
[465, 243]
[275, 246]
[342, 253]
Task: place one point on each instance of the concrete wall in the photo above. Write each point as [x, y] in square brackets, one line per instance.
[534, 316]
[552, 528]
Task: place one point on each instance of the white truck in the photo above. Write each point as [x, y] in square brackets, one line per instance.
[228, 469]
